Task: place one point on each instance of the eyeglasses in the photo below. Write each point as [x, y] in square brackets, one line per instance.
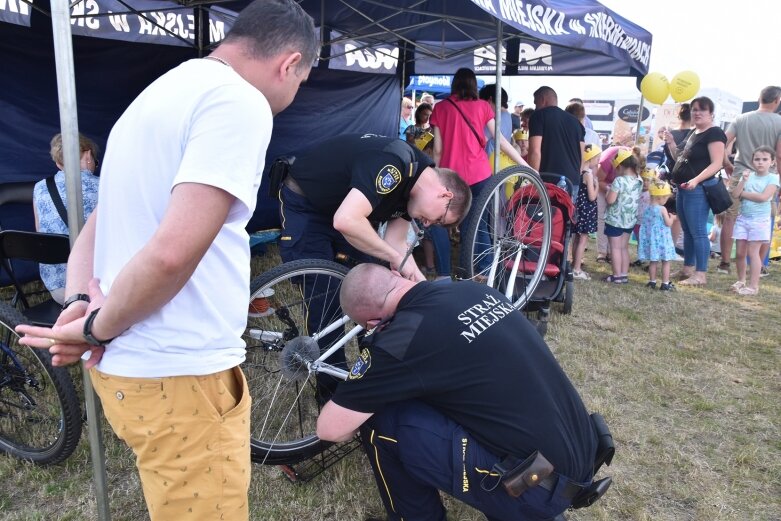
[441, 220]
[408, 107]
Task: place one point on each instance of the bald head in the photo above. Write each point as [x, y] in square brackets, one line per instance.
[370, 292]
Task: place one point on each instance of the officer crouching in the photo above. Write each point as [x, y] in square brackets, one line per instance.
[455, 391]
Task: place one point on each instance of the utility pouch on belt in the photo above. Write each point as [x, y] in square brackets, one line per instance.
[605, 446]
[278, 172]
[516, 477]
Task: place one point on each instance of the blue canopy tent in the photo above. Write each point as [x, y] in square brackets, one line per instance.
[369, 51]
[438, 86]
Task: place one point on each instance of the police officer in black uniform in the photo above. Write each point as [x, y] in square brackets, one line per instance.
[336, 193]
[452, 382]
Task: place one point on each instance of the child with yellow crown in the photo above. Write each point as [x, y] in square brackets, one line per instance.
[648, 176]
[621, 215]
[656, 240]
[586, 204]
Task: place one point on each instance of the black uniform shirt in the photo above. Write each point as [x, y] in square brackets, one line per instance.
[462, 349]
[383, 169]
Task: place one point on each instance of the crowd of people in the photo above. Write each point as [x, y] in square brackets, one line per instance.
[156, 285]
[619, 198]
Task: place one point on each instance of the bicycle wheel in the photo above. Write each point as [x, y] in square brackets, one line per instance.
[508, 232]
[40, 415]
[288, 305]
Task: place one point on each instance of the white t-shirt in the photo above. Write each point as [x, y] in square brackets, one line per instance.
[199, 123]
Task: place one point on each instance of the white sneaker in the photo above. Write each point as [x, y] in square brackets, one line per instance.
[580, 275]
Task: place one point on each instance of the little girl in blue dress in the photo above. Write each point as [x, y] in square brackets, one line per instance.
[656, 240]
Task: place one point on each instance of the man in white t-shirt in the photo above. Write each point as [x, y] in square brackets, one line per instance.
[168, 249]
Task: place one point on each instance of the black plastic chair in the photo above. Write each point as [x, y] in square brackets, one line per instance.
[43, 248]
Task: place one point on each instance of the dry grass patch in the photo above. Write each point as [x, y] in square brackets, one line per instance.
[689, 382]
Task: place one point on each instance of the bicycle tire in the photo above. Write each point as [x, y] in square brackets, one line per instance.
[277, 435]
[503, 223]
[40, 412]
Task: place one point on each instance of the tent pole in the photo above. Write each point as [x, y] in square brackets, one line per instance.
[498, 94]
[66, 88]
[639, 120]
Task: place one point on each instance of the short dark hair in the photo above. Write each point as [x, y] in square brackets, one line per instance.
[527, 113]
[770, 94]
[489, 92]
[704, 102]
[464, 84]
[576, 100]
[270, 27]
[545, 91]
[462, 194]
[767, 150]
[685, 112]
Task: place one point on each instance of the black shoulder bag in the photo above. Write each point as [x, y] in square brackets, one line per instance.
[716, 193]
[472, 128]
[56, 199]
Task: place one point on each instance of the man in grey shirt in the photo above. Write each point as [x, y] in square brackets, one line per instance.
[750, 131]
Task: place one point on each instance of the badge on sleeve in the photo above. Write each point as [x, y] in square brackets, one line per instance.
[388, 179]
[361, 365]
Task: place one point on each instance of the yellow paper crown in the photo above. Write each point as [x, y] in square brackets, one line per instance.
[659, 189]
[592, 153]
[649, 174]
[521, 135]
[621, 155]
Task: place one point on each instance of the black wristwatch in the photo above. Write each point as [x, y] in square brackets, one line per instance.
[74, 298]
[87, 333]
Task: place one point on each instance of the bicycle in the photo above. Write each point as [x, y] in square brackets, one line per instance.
[289, 366]
[40, 411]
[510, 233]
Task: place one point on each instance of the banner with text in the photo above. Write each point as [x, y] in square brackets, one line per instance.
[534, 58]
[575, 25]
[352, 55]
[15, 12]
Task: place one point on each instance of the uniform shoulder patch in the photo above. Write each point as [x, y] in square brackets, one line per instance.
[361, 365]
[388, 178]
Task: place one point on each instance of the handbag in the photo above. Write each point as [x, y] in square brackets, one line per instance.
[717, 195]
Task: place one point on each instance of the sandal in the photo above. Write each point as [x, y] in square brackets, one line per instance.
[615, 280]
[602, 258]
[691, 281]
[745, 290]
[737, 286]
[681, 275]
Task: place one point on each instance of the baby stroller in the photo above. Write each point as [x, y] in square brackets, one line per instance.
[557, 283]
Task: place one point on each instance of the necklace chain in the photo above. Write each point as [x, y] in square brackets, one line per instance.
[218, 59]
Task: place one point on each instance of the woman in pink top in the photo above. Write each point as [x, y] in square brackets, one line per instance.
[458, 124]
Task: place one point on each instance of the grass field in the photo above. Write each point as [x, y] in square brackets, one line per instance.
[689, 382]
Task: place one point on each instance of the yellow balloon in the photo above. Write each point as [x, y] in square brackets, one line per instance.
[684, 86]
[655, 87]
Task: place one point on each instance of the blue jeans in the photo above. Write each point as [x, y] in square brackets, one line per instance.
[441, 240]
[482, 230]
[693, 209]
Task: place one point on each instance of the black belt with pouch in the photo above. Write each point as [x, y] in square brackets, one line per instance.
[279, 170]
[517, 476]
